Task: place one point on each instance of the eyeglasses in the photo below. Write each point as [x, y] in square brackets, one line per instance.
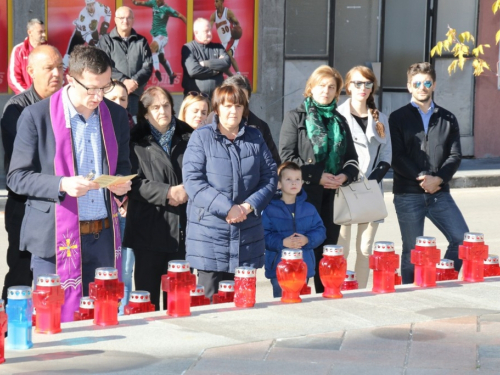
[124, 18]
[196, 93]
[94, 91]
[358, 84]
[417, 84]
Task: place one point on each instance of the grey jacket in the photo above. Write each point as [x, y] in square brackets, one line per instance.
[207, 77]
[130, 59]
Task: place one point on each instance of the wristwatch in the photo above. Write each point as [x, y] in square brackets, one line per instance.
[251, 207]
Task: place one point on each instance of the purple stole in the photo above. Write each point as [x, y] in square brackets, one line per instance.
[68, 244]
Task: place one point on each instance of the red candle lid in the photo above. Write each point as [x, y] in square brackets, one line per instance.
[424, 241]
[350, 276]
[19, 292]
[291, 254]
[2, 305]
[445, 264]
[384, 246]
[245, 272]
[226, 286]
[492, 259]
[86, 303]
[139, 296]
[199, 291]
[106, 273]
[333, 250]
[178, 266]
[474, 237]
[50, 279]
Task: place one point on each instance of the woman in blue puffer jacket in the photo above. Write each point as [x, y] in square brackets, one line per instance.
[230, 176]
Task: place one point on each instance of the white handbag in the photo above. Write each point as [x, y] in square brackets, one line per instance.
[361, 201]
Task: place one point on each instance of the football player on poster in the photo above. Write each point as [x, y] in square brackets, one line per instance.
[86, 26]
[161, 13]
[229, 31]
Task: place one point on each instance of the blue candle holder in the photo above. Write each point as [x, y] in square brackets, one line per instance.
[19, 315]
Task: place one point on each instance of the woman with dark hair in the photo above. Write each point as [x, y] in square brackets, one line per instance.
[230, 177]
[252, 120]
[156, 216]
[372, 139]
[317, 138]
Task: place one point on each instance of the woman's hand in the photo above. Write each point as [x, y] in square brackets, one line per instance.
[339, 180]
[328, 181]
[123, 209]
[177, 195]
[236, 214]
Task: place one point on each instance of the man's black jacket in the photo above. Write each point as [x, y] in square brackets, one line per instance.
[437, 153]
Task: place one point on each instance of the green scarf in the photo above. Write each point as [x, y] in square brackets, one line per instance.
[328, 143]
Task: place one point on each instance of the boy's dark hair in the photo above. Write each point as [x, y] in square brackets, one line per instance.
[421, 68]
[88, 58]
[287, 165]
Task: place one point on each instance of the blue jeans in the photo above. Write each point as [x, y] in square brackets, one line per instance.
[128, 260]
[442, 211]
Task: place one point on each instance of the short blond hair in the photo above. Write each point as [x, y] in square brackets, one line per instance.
[322, 72]
[189, 100]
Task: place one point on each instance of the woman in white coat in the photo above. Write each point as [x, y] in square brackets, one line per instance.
[370, 132]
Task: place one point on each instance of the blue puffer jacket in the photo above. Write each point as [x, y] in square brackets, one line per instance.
[279, 223]
[218, 174]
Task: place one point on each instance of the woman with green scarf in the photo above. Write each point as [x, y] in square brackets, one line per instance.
[317, 138]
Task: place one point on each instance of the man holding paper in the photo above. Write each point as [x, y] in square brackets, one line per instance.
[71, 225]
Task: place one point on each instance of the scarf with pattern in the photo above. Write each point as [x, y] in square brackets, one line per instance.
[328, 142]
[164, 140]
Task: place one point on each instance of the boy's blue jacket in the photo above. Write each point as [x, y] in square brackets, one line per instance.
[279, 223]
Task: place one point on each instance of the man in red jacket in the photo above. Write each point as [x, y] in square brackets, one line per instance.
[18, 77]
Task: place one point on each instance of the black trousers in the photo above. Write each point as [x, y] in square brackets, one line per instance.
[18, 261]
[150, 266]
[332, 233]
[210, 280]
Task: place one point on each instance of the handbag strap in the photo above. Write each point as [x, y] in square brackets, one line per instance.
[354, 163]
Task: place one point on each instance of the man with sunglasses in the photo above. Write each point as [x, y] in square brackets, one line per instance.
[426, 154]
[71, 226]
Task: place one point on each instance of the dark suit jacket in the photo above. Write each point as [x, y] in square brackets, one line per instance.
[31, 172]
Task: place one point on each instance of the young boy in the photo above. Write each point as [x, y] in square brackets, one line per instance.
[290, 222]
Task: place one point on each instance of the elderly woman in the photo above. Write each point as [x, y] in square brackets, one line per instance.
[194, 109]
[230, 176]
[372, 139]
[156, 218]
[317, 138]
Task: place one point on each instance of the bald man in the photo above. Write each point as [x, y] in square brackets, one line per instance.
[45, 68]
[203, 61]
[132, 62]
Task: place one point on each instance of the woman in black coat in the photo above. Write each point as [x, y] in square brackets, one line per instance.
[317, 138]
[156, 215]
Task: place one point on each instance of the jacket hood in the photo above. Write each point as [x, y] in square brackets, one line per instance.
[215, 122]
[301, 197]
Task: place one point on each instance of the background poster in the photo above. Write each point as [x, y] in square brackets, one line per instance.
[244, 11]
[177, 33]
[4, 46]
[61, 15]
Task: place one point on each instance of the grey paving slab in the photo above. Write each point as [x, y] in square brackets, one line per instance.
[230, 366]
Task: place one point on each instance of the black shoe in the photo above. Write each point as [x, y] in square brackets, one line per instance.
[172, 78]
[158, 75]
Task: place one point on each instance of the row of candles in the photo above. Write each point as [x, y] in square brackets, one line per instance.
[183, 293]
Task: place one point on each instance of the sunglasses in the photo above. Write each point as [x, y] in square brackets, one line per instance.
[358, 84]
[417, 84]
[196, 93]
